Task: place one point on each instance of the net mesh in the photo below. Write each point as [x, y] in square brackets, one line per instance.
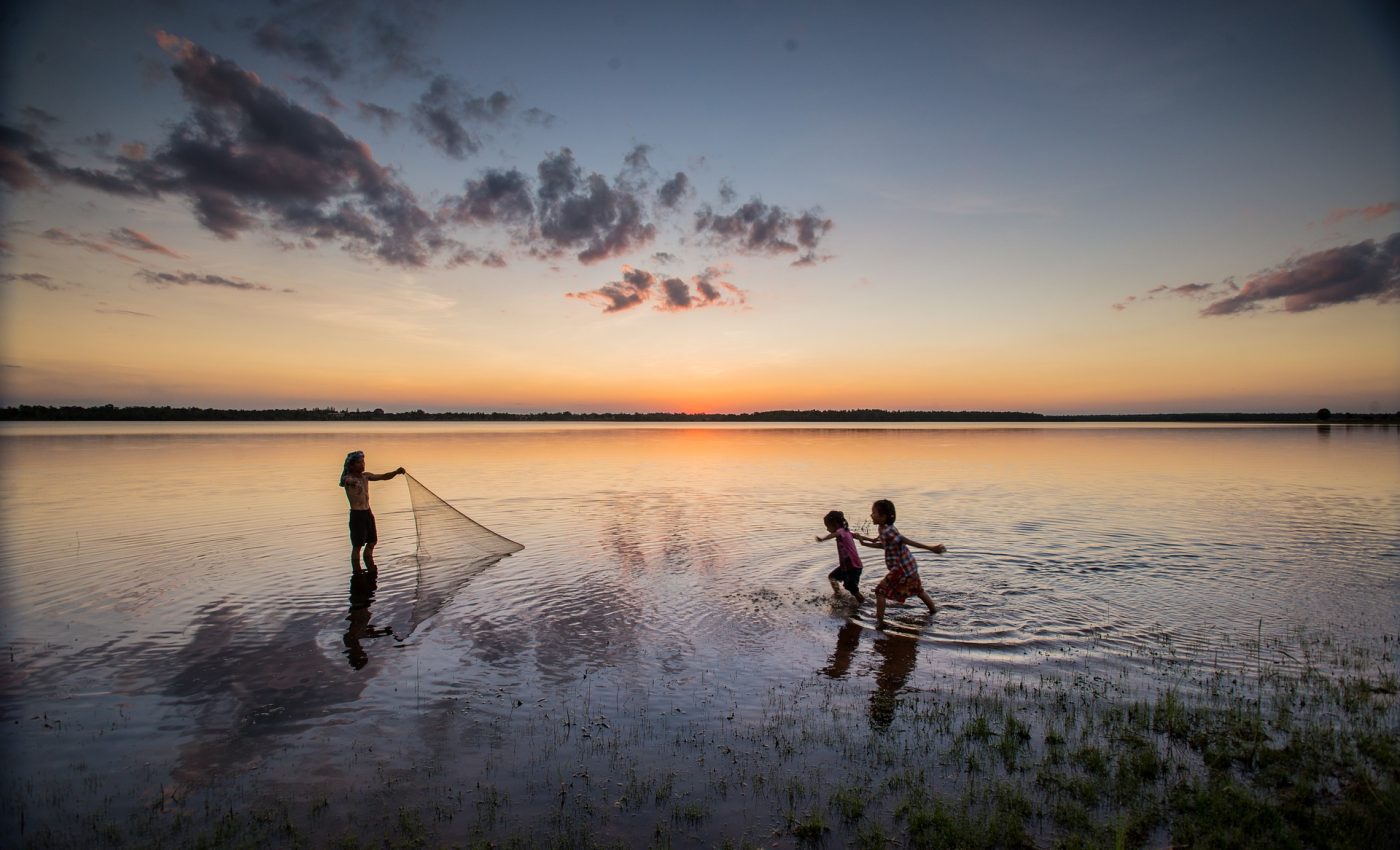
[452, 548]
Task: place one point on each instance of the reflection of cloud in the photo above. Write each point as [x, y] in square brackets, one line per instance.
[673, 294]
[229, 675]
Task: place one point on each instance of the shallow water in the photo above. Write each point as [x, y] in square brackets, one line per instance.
[179, 596]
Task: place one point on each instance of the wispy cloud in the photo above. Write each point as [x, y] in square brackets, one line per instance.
[1371, 213]
[447, 115]
[141, 242]
[671, 294]
[42, 281]
[165, 279]
[59, 236]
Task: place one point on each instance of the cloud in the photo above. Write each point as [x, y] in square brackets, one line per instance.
[164, 279]
[441, 113]
[587, 213]
[141, 242]
[59, 236]
[248, 155]
[1186, 290]
[758, 228]
[388, 119]
[25, 160]
[302, 46]
[496, 197]
[675, 190]
[42, 281]
[1371, 213]
[1359, 272]
[113, 311]
[672, 294]
[321, 92]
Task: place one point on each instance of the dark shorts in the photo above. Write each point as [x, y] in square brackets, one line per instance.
[849, 578]
[362, 530]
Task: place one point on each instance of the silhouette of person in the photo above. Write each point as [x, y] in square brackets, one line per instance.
[847, 639]
[363, 583]
[897, 657]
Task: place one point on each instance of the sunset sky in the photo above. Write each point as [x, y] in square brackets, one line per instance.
[719, 206]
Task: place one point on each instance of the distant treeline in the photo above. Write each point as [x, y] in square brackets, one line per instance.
[112, 413]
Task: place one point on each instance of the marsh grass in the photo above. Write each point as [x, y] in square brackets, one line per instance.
[1302, 754]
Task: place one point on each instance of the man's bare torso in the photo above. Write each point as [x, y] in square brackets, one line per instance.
[357, 491]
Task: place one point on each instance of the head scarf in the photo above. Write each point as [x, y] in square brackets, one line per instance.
[349, 459]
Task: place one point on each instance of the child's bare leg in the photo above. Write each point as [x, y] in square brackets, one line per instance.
[355, 558]
[879, 610]
[369, 559]
[923, 594]
[835, 588]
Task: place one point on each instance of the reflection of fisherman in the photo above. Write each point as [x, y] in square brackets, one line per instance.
[847, 639]
[362, 587]
[897, 657]
[362, 530]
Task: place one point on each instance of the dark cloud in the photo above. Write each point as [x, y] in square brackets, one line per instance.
[675, 190]
[1359, 272]
[634, 288]
[141, 242]
[672, 294]
[302, 46]
[442, 113]
[663, 257]
[321, 92]
[113, 311]
[25, 161]
[249, 155]
[388, 40]
[587, 213]
[42, 281]
[468, 257]
[758, 228]
[37, 119]
[163, 279]
[99, 141]
[388, 119]
[498, 197]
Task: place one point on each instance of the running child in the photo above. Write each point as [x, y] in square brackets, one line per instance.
[848, 564]
[902, 580]
[363, 533]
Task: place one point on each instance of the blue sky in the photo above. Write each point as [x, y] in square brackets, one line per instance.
[1059, 207]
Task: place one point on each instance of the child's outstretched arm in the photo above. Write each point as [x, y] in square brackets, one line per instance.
[937, 549]
[826, 538]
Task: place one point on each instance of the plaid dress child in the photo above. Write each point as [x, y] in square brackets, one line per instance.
[902, 580]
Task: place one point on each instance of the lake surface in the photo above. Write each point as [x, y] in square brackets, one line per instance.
[179, 608]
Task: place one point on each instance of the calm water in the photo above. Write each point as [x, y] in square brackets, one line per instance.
[179, 610]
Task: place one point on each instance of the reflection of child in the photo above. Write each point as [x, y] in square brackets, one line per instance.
[848, 565]
[902, 580]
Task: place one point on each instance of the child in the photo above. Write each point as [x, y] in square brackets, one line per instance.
[848, 566]
[362, 531]
[902, 580]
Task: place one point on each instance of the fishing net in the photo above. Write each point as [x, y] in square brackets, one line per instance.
[452, 548]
